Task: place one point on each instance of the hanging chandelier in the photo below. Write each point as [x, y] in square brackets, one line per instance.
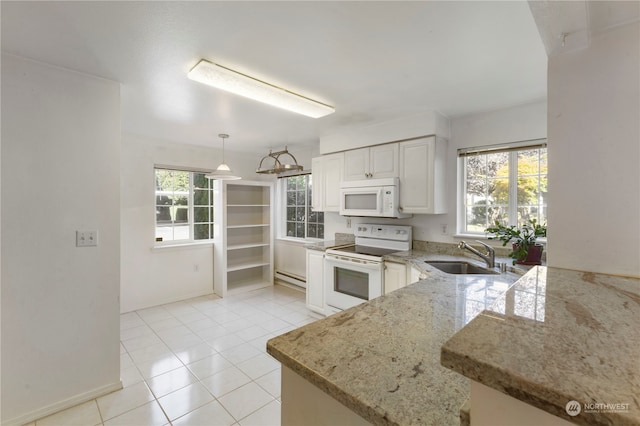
[223, 171]
[276, 163]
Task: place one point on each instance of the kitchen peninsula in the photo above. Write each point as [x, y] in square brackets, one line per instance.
[382, 359]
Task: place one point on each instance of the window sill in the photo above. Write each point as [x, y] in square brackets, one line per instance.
[181, 246]
[542, 241]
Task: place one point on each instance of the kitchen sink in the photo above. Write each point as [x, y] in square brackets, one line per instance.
[460, 268]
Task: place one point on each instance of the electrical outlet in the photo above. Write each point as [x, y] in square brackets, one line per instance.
[196, 267]
[86, 238]
[444, 229]
[348, 223]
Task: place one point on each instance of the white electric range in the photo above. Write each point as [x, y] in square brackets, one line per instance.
[354, 273]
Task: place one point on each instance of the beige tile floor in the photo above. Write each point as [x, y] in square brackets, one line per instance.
[200, 361]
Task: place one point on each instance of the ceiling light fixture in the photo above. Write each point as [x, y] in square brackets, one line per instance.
[278, 165]
[223, 172]
[241, 84]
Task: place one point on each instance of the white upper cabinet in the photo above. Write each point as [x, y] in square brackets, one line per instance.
[379, 161]
[326, 175]
[422, 176]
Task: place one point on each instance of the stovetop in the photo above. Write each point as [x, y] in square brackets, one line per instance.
[366, 250]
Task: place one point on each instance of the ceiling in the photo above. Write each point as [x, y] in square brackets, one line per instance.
[373, 61]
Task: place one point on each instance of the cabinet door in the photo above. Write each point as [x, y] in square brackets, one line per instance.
[413, 274]
[395, 276]
[317, 180]
[383, 161]
[315, 281]
[356, 164]
[332, 170]
[422, 176]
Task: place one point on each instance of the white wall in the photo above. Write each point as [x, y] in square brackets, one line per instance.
[523, 122]
[149, 276]
[594, 155]
[60, 173]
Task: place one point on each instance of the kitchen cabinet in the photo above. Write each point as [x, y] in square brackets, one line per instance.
[422, 175]
[380, 161]
[326, 175]
[413, 274]
[243, 239]
[395, 276]
[315, 281]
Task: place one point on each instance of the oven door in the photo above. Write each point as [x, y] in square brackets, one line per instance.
[350, 281]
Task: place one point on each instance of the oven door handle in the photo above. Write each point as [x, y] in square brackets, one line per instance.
[347, 260]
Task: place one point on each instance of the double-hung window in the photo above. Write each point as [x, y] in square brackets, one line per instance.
[506, 183]
[299, 220]
[184, 206]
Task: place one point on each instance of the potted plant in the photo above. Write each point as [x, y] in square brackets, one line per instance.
[525, 250]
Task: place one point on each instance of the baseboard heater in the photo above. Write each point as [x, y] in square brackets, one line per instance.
[290, 278]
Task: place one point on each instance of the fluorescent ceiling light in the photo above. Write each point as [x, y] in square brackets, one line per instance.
[240, 84]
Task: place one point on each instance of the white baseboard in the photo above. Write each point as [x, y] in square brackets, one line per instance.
[63, 405]
[295, 280]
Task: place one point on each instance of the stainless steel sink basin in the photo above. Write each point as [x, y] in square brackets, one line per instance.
[460, 268]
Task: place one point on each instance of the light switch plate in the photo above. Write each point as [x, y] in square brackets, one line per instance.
[86, 238]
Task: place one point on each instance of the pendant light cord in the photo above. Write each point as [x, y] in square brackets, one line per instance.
[223, 136]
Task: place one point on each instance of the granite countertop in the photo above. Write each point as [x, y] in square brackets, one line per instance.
[558, 336]
[381, 359]
[340, 240]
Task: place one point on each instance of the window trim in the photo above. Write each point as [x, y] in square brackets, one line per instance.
[512, 148]
[282, 210]
[190, 242]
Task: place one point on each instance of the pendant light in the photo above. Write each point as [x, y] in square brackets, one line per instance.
[223, 172]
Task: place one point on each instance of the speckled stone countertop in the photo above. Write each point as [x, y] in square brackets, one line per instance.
[381, 359]
[558, 336]
[340, 240]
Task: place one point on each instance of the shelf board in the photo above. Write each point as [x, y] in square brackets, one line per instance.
[245, 246]
[247, 285]
[243, 266]
[257, 225]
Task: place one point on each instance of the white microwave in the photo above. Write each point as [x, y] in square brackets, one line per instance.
[371, 198]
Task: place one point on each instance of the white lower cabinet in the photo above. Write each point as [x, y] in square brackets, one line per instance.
[413, 274]
[395, 276]
[398, 275]
[315, 281]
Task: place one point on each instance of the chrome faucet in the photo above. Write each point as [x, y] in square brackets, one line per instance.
[489, 258]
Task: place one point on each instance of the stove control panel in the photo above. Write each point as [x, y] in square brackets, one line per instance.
[383, 232]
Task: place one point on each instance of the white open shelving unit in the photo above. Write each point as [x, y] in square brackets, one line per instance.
[243, 250]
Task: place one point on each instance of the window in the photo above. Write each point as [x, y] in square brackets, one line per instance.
[300, 221]
[184, 206]
[507, 184]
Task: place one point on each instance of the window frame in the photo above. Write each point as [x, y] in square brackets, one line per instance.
[513, 149]
[282, 207]
[190, 209]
